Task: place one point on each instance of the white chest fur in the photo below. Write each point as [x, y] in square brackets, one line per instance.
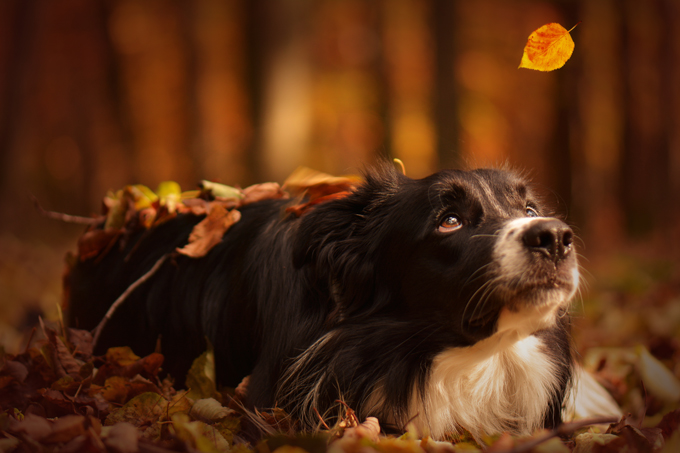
[499, 384]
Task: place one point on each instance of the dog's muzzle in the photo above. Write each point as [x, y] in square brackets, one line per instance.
[535, 263]
[550, 238]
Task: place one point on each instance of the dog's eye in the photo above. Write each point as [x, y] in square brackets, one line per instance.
[450, 223]
[531, 212]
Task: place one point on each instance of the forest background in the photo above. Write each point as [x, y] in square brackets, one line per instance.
[97, 94]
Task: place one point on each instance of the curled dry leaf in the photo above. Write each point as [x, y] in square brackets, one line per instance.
[209, 410]
[197, 435]
[93, 242]
[209, 231]
[369, 429]
[81, 340]
[548, 48]
[658, 379]
[315, 187]
[122, 437]
[201, 376]
[66, 428]
[300, 209]
[33, 426]
[264, 191]
[305, 180]
[222, 191]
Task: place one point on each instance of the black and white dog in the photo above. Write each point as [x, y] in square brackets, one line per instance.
[440, 302]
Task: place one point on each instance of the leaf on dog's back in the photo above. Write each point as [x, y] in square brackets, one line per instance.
[263, 191]
[316, 187]
[221, 191]
[209, 231]
[548, 48]
[301, 208]
[315, 184]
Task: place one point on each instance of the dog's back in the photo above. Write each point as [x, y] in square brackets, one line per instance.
[442, 301]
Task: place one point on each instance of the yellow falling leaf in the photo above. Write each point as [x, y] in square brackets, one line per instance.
[548, 48]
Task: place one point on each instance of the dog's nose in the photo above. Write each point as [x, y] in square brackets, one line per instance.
[551, 237]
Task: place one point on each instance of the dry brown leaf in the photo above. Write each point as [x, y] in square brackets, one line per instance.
[264, 191]
[81, 340]
[122, 437]
[93, 242]
[301, 208]
[209, 231]
[34, 426]
[121, 356]
[66, 428]
[70, 365]
[315, 184]
[369, 429]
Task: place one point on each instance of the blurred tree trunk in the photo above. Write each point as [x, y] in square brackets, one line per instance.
[408, 54]
[223, 128]
[564, 141]
[151, 43]
[670, 13]
[645, 160]
[347, 101]
[596, 160]
[16, 33]
[285, 74]
[444, 22]
[60, 127]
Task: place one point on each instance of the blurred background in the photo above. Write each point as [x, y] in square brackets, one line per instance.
[96, 94]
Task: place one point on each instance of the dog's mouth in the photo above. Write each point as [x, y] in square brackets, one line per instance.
[524, 305]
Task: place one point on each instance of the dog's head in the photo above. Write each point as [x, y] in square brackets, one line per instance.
[474, 251]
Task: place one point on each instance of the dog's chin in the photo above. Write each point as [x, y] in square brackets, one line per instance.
[532, 310]
[524, 310]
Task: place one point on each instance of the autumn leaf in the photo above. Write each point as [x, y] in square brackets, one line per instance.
[142, 196]
[222, 191]
[94, 242]
[209, 231]
[548, 48]
[300, 209]
[315, 184]
[263, 191]
[122, 437]
[197, 435]
[121, 355]
[658, 379]
[201, 376]
[209, 410]
[169, 197]
[66, 428]
[317, 187]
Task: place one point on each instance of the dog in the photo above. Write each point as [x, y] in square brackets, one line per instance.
[441, 303]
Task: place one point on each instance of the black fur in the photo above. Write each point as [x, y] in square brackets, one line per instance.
[371, 267]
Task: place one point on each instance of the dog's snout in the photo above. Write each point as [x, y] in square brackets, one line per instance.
[551, 237]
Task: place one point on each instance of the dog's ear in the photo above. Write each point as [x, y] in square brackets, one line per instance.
[339, 239]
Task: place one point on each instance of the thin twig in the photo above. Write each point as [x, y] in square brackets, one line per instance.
[97, 330]
[68, 218]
